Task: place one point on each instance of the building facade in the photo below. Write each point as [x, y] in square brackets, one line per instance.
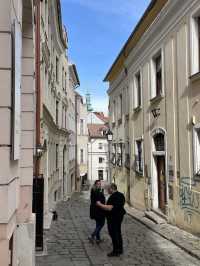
[158, 71]
[71, 126]
[98, 167]
[82, 141]
[17, 223]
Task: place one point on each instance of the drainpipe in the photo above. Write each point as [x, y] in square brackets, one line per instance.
[38, 90]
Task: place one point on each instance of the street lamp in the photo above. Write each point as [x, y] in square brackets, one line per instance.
[109, 138]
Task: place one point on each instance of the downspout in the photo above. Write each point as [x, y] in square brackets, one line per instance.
[76, 142]
[38, 89]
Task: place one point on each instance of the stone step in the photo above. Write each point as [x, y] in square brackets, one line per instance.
[155, 217]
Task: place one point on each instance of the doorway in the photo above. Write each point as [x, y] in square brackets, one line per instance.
[161, 181]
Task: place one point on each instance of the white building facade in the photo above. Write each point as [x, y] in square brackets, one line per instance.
[97, 150]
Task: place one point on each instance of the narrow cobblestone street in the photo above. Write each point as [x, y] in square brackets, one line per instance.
[67, 243]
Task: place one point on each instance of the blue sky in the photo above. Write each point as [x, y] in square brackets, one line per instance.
[97, 30]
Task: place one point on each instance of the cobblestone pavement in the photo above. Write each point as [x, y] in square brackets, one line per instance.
[67, 243]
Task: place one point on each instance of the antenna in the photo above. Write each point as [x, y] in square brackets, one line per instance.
[88, 102]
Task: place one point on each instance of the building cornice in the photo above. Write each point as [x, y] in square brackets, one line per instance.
[147, 19]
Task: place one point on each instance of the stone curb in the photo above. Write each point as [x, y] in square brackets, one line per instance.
[150, 226]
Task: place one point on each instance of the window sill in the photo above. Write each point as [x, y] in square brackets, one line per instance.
[139, 174]
[195, 77]
[156, 99]
[137, 109]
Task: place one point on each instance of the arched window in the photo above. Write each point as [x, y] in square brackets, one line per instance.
[159, 142]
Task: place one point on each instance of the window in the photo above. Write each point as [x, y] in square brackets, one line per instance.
[81, 127]
[137, 91]
[196, 149]
[81, 156]
[113, 113]
[119, 154]
[100, 146]
[195, 44]
[120, 109]
[56, 156]
[63, 78]
[57, 111]
[65, 117]
[127, 155]
[100, 174]
[138, 156]
[57, 68]
[159, 142]
[156, 79]
[113, 159]
[65, 82]
[100, 160]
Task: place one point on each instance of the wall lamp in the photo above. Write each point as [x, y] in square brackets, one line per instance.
[155, 112]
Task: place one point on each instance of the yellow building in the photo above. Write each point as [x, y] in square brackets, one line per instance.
[155, 113]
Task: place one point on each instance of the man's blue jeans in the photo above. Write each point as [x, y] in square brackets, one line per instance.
[99, 226]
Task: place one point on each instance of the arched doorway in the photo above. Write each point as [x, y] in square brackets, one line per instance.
[159, 183]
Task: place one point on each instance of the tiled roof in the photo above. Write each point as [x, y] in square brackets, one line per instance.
[97, 130]
[101, 116]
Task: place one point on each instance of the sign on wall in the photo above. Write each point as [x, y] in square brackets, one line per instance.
[16, 89]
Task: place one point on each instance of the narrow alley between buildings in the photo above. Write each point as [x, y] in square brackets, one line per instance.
[66, 243]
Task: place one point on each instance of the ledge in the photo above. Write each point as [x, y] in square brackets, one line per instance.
[156, 99]
[195, 77]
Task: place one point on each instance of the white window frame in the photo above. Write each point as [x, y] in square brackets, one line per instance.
[153, 74]
[137, 170]
[196, 149]
[194, 43]
[135, 88]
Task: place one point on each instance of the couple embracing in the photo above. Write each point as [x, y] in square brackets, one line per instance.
[113, 211]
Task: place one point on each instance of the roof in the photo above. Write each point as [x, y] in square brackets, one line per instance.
[74, 71]
[60, 24]
[101, 116]
[147, 19]
[97, 130]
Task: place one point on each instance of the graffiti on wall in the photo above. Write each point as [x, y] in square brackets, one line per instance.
[189, 199]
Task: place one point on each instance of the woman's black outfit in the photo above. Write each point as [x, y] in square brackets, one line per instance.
[96, 212]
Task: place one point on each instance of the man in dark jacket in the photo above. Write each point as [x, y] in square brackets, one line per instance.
[115, 213]
[96, 212]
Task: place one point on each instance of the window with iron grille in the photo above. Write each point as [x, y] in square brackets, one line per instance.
[127, 155]
[113, 159]
[119, 154]
[139, 156]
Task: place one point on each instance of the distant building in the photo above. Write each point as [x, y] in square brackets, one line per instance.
[82, 142]
[97, 147]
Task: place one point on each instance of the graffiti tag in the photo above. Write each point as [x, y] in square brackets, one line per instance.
[189, 199]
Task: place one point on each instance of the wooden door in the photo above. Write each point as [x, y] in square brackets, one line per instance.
[161, 182]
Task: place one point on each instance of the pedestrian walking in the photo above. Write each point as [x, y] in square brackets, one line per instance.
[114, 213]
[97, 213]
